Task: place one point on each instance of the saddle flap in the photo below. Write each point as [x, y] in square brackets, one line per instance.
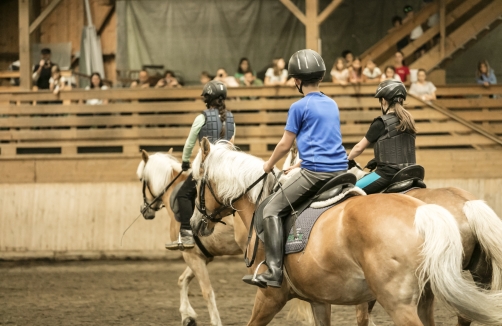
[405, 185]
[174, 203]
[410, 172]
[335, 186]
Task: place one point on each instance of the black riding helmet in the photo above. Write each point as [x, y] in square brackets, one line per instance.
[392, 91]
[214, 90]
[306, 65]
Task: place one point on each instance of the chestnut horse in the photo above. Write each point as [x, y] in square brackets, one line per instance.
[392, 248]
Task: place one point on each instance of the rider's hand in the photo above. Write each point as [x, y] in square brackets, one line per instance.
[352, 164]
[185, 166]
[372, 164]
[267, 168]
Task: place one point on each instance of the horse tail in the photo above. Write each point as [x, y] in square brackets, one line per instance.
[487, 228]
[441, 268]
[301, 311]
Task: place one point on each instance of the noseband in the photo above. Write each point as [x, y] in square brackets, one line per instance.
[217, 216]
[146, 206]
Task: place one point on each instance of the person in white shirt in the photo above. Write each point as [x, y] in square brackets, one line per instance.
[57, 82]
[390, 73]
[339, 73]
[277, 75]
[371, 73]
[96, 83]
[422, 87]
[222, 76]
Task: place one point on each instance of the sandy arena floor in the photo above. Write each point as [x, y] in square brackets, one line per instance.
[134, 293]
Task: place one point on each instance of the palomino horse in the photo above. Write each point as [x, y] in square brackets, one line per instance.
[158, 170]
[392, 248]
[480, 230]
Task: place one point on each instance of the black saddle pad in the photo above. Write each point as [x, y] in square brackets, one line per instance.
[173, 201]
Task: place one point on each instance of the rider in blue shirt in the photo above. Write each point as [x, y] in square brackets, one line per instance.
[314, 121]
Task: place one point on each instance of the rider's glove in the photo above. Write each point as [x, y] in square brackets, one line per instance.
[185, 166]
[352, 164]
[372, 164]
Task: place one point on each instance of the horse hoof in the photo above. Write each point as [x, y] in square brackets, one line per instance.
[189, 322]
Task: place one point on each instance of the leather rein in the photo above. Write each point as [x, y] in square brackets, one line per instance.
[147, 205]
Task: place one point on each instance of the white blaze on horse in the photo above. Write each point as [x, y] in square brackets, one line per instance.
[387, 247]
[157, 171]
[480, 230]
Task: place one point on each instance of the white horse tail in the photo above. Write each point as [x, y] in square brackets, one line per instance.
[301, 312]
[487, 228]
[442, 268]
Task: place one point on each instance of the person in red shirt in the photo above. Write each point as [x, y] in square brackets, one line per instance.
[402, 70]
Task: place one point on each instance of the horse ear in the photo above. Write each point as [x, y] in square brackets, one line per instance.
[170, 151]
[206, 147]
[144, 155]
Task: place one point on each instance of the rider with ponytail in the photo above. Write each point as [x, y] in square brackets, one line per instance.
[393, 135]
[215, 123]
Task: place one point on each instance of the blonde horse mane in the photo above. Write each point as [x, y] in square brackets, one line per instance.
[158, 171]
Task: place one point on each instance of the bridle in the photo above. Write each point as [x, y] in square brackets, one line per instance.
[147, 206]
[217, 215]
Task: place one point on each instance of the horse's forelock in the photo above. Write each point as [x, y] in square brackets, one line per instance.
[158, 171]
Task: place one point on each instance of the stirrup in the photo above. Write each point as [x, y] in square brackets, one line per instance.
[252, 280]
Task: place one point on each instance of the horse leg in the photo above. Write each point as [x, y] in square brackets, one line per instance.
[426, 308]
[267, 303]
[188, 315]
[322, 313]
[198, 266]
[363, 313]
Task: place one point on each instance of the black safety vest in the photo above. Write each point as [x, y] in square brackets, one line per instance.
[395, 148]
[212, 127]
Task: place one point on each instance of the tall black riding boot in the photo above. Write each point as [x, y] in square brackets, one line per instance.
[274, 254]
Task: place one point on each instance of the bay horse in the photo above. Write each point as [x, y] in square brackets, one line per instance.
[480, 230]
[386, 247]
[157, 171]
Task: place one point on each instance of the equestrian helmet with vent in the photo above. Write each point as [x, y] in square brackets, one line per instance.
[306, 65]
[214, 90]
[391, 90]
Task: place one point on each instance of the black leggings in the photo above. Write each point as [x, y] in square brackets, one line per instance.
[372, 183]
[186, 201]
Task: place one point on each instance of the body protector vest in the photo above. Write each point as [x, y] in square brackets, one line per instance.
[212, 128]
[395, 148]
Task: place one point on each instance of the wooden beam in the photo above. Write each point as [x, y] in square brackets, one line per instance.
[312, 27]
[294, 9]
[328, 10]
[442, 27]
[108, 16]
[24, 44]
[44, 15]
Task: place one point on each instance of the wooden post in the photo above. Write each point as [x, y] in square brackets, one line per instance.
[442, 28]
[24, 44]
[311, 26]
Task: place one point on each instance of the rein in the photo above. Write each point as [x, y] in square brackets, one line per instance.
[215, 216]
[147, 205]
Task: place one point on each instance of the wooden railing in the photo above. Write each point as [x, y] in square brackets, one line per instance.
[157, 119]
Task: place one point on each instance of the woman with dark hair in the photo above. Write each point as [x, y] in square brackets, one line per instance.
[244, 67]
[393, 134]
[401, 69]
[169, 80]
[485, 75]
[96, 83]
[349, 57]
[390, 73]
[356, 72]
[215, 123]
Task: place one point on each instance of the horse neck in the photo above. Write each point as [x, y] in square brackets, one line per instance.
[245, 208]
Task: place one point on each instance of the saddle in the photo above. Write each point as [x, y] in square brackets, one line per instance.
[410, 177]
[173, 201]
[298, 225]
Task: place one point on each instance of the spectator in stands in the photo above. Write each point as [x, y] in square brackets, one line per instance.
[371, 73]
[400, 68]
[96, 84]
[244, 67]
[222, 76]
[349, 57]
[57, 82]
[417, 31]
[14, 67]
[485, 75]
[423, 88]
[277, 75]
[43, 70]
[142, 81]
[356, 72]
[249, 79]
[168, 81]
[339, 72]
[390, 73]
[205, 77]
[397, 22]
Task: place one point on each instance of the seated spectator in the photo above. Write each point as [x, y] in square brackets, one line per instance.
[349, 57]
[339, 72]
[205, 77]
[371, 73]
[485, 75]
[417, 31]
[277, 75]
[390, 73]
[96, 84]
[57, 82]
[43, 71]
[400, 68]
[169, 80]
[142, 81]
[250, 79]
[423, 88]
[397, 22]
[222, 76]
[356, 72]
[244, 67]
